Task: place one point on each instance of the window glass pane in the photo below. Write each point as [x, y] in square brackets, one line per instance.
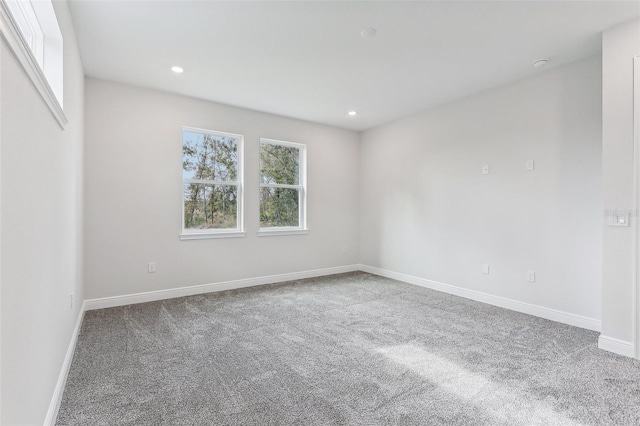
[210, 206]
[27, 20]
[209, 157]
[279, 207]
[279, 164]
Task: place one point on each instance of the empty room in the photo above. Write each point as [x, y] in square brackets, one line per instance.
[319, 212]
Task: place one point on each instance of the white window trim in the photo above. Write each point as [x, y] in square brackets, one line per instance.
[302, 187]
[272, 232]
[237, 232]
[20, 48]
[209, 235]
[26, 13]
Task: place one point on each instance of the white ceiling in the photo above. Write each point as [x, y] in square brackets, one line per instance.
[308, 60]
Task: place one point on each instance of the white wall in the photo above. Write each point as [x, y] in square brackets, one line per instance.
[133, 163]
[619, 46]
[41, 229]
[427, 211]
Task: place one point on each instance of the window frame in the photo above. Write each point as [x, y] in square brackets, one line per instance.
[45, 66]
[301, 187]
[26, 19]
[238, 231]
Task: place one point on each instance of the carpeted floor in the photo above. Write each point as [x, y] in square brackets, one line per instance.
[351, 349]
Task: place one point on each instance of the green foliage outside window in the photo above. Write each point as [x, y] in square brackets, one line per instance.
[209, 158]
[280, 165]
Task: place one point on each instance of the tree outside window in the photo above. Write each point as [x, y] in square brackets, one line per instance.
[212, 181]
[282, 185]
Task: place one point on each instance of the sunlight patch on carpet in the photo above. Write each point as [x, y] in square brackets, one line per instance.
[504, 402]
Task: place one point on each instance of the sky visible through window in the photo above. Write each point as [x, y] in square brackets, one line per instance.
[210, 180]
[209, 157]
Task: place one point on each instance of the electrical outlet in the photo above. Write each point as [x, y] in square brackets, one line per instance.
[152, 267]
[530, 165]
[531, 276]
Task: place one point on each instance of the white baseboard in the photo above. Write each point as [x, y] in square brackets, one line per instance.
[56, 399]
[617, 346]
[108, 302]
[152, 296]
[604, 342]
[514, 305]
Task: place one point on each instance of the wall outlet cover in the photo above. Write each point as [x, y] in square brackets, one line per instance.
[530, 165]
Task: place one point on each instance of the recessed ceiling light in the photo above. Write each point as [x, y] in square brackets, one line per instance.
[368, 33]
[177, 70]
[540, 63]
[352, 113]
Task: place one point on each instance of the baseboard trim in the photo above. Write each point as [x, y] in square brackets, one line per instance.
[502, 302]
[152, 296]
[56, 399]
[617, 346]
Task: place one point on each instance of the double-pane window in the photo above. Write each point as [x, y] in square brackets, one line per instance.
[282, 185]
[212, 182]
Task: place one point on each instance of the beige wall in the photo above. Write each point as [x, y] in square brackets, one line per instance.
[41, 210]
[133, 162]
[427, 211]
[619, 46]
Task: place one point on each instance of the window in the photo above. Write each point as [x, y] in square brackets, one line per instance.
[25, 17]
[212, 184]
[283, 191]
[32, 32]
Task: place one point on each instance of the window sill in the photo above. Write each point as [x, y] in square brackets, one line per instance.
[210, 235]
[281, 231]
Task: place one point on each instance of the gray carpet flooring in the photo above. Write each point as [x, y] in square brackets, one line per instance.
[350, 349]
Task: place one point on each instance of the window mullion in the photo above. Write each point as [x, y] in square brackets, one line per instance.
[279, 185]
[212, 182]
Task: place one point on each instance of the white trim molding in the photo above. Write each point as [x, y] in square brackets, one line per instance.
[110, 302]
[270, 232]
[56, 399]
[209, 235]
[0, 240]
[636, 206]
[152, 296]
[20, 49]
[617, 346]
[502, 302]
[606, 343]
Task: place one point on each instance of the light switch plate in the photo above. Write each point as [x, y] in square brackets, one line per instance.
[485, 169]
